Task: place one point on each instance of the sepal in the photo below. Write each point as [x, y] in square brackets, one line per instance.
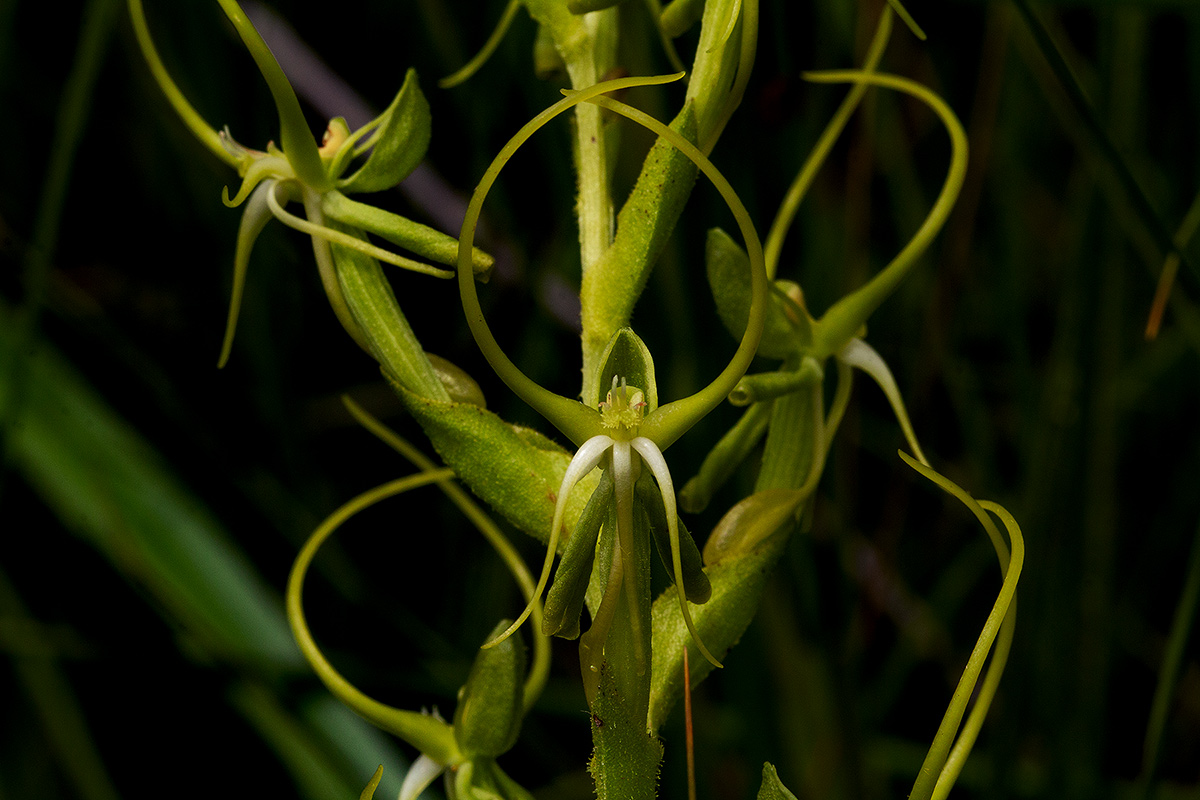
[786, 330]
[397, 139]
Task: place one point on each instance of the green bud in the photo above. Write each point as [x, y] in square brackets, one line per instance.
[458, 383]
[769, 385]
[679, 16]
[488, 717]
[772, 788]
[397, 140]
[751, 522]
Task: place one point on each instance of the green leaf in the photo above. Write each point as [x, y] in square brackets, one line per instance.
[488, 716]
[564, 602]
[772, 788]
[399, 138]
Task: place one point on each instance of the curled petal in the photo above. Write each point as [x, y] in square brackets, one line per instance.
[585, 460]
[259, 170]
[858, 353]
[653, 459]
[254, 219]
[427, 733]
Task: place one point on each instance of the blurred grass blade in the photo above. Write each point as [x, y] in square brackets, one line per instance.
[57, 708]
[111, 489]
[1168, 674]
[1107, 151]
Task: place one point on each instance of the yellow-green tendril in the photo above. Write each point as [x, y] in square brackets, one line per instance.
[539, 668]
[950, 745]
[843, 320]
[489, 47]
[432, 736]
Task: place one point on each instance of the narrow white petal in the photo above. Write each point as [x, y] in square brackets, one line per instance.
[585, 460]
[422, 773]
[653, 458]
[858, 353]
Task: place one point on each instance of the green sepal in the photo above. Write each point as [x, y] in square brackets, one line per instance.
[627, 357]
[397, 138]
[613, 285]
[515, 470]
[737, 588]
[564, 602]
[254, 219]
[679, 16]
[725, 457]
[420, 239]
[695, 583]
[786, 330]
[772, 788]
[751, 522]
[488, 716]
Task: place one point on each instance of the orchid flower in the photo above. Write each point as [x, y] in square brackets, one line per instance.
[628, 430]
[300, 170]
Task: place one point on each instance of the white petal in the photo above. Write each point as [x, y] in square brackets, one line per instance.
[585, 460]
[858, 353]
[653, 457]
[422, 773]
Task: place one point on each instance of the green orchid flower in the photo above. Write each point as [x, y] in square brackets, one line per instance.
[320, 178]
[499, 691]
[628, 430]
